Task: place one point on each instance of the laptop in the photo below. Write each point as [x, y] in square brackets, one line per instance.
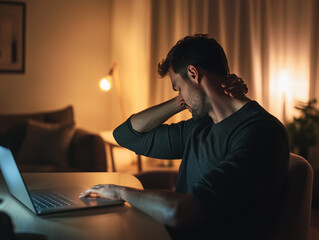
[46, 201]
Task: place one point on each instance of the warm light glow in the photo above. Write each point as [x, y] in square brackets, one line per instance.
[288, 84]
[284, 80]
[105, 84]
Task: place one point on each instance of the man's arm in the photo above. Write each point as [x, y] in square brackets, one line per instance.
[153, 117]
[145, 134]
[172, 209]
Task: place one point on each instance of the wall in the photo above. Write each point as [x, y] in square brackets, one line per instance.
[70, 45]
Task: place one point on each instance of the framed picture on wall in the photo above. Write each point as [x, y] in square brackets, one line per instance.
[12, 37]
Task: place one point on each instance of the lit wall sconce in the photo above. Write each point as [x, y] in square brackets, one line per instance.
[106, 82]
[110, 81]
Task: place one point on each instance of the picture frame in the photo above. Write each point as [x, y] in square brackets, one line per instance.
[12, 37]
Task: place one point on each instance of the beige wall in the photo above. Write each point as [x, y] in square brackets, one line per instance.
[70, 45]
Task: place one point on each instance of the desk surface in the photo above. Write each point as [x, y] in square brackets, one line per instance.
[115, 222]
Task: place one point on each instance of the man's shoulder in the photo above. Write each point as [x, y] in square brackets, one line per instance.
[250, 117]
[264, 121]
[260, 131]
[255, 123]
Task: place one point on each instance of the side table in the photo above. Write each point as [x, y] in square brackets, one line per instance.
[110, 143]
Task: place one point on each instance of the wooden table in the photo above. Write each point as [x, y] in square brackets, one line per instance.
[110, 144]
[115, 222]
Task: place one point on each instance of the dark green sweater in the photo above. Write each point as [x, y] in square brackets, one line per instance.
[234, 168]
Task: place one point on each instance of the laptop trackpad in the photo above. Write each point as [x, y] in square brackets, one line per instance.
[94, 202]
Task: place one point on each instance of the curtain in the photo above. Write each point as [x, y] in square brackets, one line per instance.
[265, 41]
[271, 44]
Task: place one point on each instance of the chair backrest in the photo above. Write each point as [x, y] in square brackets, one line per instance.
[293, 219]
[164, 180]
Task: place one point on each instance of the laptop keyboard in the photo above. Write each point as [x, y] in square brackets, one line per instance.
[49, 199]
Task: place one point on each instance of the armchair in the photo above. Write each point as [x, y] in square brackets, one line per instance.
[50, 142]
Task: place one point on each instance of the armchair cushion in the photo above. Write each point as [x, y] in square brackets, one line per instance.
[87, 152]
[46, 143]
[13, 126]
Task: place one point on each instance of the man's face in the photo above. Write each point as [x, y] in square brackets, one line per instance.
[192, 94]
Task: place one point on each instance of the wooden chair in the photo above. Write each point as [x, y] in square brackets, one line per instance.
[293, 219]
[163, 180]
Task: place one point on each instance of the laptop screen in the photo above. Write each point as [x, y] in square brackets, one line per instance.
[13, 177]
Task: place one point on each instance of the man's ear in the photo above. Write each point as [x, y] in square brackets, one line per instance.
[193, 74]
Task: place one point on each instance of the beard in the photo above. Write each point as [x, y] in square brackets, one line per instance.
[200, 105]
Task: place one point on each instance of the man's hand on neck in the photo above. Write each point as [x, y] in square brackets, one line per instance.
[222, 103]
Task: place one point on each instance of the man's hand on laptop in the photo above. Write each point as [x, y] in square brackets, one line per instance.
[103, 191]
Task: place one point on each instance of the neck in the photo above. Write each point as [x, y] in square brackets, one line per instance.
[223, 107]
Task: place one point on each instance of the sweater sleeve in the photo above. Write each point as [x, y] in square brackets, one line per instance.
[163, 142]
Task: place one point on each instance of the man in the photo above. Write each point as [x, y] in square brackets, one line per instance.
[234, 153]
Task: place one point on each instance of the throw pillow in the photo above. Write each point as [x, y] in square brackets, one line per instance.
[46, 143]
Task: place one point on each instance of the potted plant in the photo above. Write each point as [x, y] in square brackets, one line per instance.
[302, 130]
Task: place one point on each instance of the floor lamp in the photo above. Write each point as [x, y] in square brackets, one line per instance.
[106, 85]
